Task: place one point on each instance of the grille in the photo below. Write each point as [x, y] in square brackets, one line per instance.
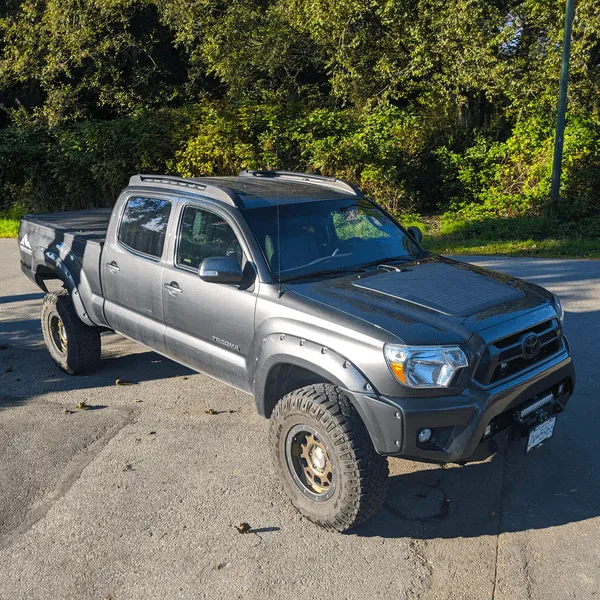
[510, 353]
[548, 336]
[505, 356]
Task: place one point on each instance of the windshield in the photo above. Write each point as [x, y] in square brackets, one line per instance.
[328, 235]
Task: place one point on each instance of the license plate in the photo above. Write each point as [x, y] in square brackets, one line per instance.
[541, 433]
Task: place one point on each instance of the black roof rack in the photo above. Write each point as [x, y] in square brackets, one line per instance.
[217, 192]
[320, 180]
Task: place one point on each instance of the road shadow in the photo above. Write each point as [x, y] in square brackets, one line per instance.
[510, 493]
[34, 373]
[21, 298]
[17, 330]
[8, 401]
[265, 530]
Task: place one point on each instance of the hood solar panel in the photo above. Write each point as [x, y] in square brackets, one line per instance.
[442, 287]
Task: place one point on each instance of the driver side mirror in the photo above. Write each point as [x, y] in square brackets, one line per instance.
[415, 233]
[220, 269]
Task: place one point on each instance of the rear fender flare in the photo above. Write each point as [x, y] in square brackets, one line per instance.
[58, 264]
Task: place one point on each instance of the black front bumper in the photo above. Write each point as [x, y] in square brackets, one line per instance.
[459, 422]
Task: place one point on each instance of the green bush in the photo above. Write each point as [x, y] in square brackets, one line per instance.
[83, 165]
[512, 178]
[443, 106]
[386, 150]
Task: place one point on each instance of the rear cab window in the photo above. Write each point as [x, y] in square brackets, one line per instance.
[143, 226]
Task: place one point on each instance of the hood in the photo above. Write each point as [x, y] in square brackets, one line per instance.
[433, 301]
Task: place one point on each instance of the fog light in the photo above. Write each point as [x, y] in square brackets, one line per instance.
[488, 430]
[424, 436]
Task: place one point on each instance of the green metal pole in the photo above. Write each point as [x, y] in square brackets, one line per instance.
[562, 103]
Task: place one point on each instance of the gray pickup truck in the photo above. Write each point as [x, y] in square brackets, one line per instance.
[303, 293]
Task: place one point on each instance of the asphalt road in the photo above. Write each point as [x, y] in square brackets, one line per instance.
[137, 498]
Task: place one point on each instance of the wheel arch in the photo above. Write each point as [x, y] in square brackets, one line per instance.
[287, 362]
[49, 265]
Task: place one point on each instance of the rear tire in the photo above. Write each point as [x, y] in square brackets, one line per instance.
[74, 346]
[325, 457]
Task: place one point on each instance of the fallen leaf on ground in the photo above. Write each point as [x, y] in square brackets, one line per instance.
[68, 412]
[81, 405]
[212, 411]
[243, 527]
[139, 400]
[128, 467]
[9, 370]
[4, 346]
[152, 433]
[123, 382]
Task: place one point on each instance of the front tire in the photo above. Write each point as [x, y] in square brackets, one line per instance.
[74, 346]
[325, 457]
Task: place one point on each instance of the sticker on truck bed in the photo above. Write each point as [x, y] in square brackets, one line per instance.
[25, 245]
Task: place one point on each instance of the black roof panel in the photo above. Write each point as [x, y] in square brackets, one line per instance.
[252, 189]
[267, 191]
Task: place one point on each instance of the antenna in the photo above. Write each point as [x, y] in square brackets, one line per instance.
[280, 293]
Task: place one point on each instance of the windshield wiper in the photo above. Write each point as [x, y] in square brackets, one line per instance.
[325, 273]
[355, 269]
[387, 261]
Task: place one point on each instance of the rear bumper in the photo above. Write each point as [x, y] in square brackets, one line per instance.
[459, 422]
[27, 271]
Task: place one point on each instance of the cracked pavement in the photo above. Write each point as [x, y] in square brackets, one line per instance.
[138, 497]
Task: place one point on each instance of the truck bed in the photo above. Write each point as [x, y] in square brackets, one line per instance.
[86, 225]
[83, 232]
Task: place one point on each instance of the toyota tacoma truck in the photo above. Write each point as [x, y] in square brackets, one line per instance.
[305, 294]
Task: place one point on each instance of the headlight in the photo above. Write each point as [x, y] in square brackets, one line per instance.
[425, 366]
[559, 308]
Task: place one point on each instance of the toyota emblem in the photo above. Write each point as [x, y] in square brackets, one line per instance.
[531, 346]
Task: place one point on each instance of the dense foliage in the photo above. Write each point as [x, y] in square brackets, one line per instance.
[430, 105]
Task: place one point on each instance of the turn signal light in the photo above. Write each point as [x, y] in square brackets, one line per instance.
[398, 370]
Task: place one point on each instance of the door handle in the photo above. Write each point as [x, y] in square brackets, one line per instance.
[173, 288]
[113, 267]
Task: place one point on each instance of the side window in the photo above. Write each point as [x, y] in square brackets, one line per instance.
[203, 234]
[144, 225]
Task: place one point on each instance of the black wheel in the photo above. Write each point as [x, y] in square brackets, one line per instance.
[322, 450]
[73, 345]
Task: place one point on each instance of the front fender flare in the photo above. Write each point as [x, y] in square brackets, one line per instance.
[279, 348]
